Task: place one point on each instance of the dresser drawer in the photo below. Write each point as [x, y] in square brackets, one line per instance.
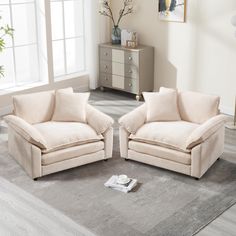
[105, 54]
[131, 71]
[118, 56]
[106, 67]
[132, 58]
[131, 85]
[105, 80]
[118, 69]
[118, 82]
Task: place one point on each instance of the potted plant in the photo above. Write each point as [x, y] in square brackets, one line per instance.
[4, 32]
[107, 11]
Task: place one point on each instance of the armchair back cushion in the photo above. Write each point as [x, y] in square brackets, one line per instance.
[197, 107]
[36, 107]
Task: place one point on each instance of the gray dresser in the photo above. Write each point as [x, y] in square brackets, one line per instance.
[130, 70]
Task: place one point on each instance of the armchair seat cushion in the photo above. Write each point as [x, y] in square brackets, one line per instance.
[161, 152]
[61, 135]
[171, 135]
[71, 152]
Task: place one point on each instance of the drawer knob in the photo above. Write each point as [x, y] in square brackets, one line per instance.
[106, 78]
[105, 54]
[130, 85]
[106, 67]
[130, 71]
[130, 58]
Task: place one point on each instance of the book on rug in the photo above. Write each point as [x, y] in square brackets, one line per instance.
[126, 187]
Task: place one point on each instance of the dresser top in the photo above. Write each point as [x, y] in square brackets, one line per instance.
[114, 46]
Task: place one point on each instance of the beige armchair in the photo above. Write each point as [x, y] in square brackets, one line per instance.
[42, 146]
[189, 146]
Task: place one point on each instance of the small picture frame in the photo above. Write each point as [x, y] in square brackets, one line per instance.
[131, 43]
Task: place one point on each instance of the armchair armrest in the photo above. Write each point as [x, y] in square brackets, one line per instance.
[204, 131]
[134, 119]
[26, 130]
[98, 120]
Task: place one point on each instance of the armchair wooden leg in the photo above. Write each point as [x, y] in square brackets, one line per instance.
[35, 179]
[197, 179]
[126, 159]
[105, 160]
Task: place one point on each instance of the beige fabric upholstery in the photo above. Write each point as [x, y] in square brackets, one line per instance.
[164, 90]
[27, 131]
[204, 155]
[196, 107]
[36, 107]
[124, 139]
[189, 146]
[42, 146]
[166, 134]
[74, 162]
[65, 90]
[26, 154]
[70, 107]
[108, 140]
[98, 120]
[134, 119]
[205, 130]
[60, 135]
[162, 106]
[72, 152]
[159, 162]
[161, 152]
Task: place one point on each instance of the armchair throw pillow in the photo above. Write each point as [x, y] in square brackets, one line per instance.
[162, 106]
[70, 107]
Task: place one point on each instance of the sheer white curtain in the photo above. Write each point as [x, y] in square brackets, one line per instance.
[98, 31]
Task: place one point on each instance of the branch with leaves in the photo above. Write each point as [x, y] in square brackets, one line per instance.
[4, 32]
[107, 11]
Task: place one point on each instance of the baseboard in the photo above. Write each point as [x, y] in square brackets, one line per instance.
[227, 110]
[82, 88]
[6, 110]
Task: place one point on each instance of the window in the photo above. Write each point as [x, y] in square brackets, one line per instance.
[25, 58]
[68, 41]
[21, 57]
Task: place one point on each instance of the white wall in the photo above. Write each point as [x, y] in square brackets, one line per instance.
[198, 55]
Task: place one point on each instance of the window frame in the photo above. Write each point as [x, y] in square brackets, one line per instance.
[49, 46]
[15, 82]
[67, 75]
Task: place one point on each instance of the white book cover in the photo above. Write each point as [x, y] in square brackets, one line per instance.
[112, 183]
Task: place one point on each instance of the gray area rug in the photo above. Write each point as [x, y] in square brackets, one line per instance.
[166, 203]
[24, 214]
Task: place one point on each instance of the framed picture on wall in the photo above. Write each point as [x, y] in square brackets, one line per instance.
[172, 10]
